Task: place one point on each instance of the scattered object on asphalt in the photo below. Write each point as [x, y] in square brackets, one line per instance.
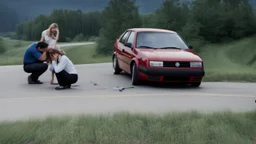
[121, 89]
[94, 83]
[116, 88]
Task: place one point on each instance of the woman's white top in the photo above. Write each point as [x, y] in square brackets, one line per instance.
[64, 64]
[49, 40]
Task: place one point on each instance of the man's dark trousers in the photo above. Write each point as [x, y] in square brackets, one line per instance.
[36, 69]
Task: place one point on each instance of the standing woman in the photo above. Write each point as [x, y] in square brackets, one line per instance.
[51, 36]
[64, 69]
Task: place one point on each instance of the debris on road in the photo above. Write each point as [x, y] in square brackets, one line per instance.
[94, 83]
[121, 89]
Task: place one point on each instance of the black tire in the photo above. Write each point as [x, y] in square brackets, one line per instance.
[116, 68]
[195, 84]
[135, 78]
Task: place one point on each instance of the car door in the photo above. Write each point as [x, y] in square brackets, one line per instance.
[121, 51]
[127, 51]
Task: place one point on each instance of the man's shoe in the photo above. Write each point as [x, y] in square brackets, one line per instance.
[30, 81]
[38, 82]
[61, 88]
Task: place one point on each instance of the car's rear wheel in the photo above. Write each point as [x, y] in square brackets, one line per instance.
[116, 68]
[135, 78]
[195, 84]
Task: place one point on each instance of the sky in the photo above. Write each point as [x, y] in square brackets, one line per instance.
[32, 8]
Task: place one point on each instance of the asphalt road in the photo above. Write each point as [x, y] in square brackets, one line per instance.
[19, 100]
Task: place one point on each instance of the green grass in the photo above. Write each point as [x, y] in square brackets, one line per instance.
[85, 55]
[78, 54]
[125, 128]
[235, 61]
[14, 51]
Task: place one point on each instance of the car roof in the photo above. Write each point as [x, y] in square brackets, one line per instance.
[151, 30]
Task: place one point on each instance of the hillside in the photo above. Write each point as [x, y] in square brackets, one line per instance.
[234, 61]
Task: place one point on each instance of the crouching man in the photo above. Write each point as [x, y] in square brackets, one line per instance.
[33, 61]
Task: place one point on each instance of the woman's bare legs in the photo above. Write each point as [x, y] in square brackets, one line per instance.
[52, 75]
[52, 79]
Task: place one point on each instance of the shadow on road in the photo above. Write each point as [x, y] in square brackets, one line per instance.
[163, 85]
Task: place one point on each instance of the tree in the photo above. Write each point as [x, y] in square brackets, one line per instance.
[209, 14]
[70, 22]
[172, 15]
[148, 20]
[118, 16]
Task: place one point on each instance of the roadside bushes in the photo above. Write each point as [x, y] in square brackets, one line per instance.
[2, 46]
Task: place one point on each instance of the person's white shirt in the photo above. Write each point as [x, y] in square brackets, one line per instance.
[64, 64]
[49, 40]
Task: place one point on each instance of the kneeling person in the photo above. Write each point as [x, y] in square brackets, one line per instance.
[33, 61]
[63, 68]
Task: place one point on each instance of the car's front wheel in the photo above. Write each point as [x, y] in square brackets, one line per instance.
[116, 68]
[135, 77]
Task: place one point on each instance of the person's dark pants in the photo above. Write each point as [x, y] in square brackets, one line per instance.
[36, 69]
[66, 79]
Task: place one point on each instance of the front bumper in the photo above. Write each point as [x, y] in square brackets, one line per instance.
[171, 75]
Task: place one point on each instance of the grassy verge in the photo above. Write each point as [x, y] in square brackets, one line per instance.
[85, 55]
[124, 128]
[235, 61]
[78, 54]
[14, 51]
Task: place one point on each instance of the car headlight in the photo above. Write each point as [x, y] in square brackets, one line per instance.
[156, 63]
[195, 64]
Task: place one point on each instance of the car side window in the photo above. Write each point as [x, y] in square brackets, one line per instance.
[125, 36]
[131, 38]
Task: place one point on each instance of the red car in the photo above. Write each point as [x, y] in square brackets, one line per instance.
[156, 55]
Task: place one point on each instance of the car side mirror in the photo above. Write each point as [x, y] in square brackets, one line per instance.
[190, 47]
[128, 45]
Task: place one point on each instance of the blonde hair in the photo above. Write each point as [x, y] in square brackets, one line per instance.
[53, 25]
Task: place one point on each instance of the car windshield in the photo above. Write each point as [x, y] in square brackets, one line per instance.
[159, 40]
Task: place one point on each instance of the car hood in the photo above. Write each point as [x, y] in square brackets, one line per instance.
[170, 54]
